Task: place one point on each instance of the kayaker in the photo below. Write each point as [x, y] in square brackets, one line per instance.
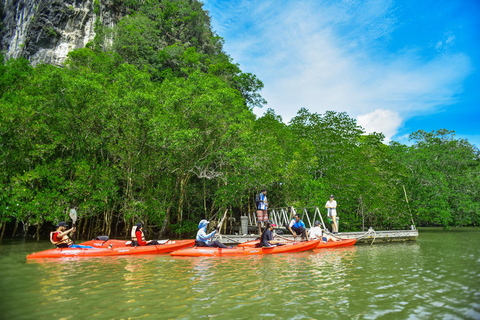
[331, 206]
[261, 202]
[267, 237]
[317, 233]
[297, 227]
[61, 240]
[139, 238]
[205, 240]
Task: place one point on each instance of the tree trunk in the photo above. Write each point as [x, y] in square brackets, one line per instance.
[110, 221]
[85, 227]
[116, 225]
[15, 228]
[26, 225]
[205, 199]
[183, 189]
[2, 228]
[38, 231]
[165, 222]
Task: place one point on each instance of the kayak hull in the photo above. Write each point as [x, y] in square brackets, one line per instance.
[336, 244]
[321, 245]
[242, 251]
[114, 251]
[105, 244]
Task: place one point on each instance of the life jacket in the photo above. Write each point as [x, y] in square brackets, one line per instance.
[134, 236]
[64, 243]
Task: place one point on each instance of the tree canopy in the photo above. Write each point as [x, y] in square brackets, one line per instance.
[157, 125]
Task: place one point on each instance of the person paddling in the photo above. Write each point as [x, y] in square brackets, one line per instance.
[205, 240]
[60, 237]
[138, 237]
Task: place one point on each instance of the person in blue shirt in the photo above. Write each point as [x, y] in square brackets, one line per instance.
[205, 240]
[262, 206]
[297, 227]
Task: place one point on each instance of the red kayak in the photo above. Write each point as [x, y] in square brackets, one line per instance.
[114, 251]
[106, 243]
[241, 251]
[321, 245]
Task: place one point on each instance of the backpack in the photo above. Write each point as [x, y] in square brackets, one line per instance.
[257, 200]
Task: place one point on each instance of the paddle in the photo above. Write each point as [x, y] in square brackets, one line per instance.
[219, 226]
[73, 216]
[285, 238]
[221, 221]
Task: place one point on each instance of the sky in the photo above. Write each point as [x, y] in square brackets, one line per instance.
[394, 66]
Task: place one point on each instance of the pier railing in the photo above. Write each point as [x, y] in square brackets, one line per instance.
[281, 216]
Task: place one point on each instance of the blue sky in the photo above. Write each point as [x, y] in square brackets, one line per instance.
[395, 66]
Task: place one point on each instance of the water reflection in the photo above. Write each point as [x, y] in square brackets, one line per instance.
[436, 277]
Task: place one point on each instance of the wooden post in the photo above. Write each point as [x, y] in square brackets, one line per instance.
[408, 205]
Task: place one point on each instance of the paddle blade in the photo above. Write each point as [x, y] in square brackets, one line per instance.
[73, 215]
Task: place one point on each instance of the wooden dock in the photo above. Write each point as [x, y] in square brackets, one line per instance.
[368, 237]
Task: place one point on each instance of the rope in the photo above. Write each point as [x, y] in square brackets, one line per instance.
[369, 232]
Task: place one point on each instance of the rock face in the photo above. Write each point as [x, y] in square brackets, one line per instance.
[46, 30]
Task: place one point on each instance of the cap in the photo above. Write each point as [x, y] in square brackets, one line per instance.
[317, 223]
[138, 225]
[332, 196]
[270, 224]
[62, 224]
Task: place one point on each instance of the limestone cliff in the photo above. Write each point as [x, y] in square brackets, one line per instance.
[46, 30]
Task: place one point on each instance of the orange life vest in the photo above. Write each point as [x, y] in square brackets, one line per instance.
[134, 236]
[64, 241]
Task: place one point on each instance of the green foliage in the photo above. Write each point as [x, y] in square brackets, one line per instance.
[443, 178]
[159, 128]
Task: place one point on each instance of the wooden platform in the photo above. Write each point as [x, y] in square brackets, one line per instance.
[363, 237]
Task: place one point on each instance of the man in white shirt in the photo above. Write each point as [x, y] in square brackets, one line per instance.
[317, 233]
[331, 206]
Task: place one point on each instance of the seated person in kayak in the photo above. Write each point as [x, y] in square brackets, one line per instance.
[267, 237]
[205, 240]
[317, 233]
[61, 240]
[297, 227]
[138, 237]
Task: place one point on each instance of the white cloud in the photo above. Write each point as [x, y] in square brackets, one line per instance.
[330, 56]
[385, 121]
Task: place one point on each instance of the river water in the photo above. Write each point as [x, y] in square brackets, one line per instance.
[436, 277]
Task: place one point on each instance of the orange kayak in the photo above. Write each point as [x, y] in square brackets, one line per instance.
[321, 245]
[114, 251]
[107, 243]
[241, 251]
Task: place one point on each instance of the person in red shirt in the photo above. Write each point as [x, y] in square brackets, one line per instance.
[140, 237]
[61, 240]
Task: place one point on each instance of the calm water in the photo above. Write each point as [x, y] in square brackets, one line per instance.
[436, 277]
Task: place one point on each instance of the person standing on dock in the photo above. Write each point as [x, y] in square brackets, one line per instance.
[262, 205]
[331, 206]
[297, 227]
